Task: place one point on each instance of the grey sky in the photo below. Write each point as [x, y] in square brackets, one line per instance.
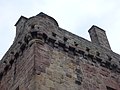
[76, 16]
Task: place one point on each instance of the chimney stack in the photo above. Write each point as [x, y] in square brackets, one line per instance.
[98, 36]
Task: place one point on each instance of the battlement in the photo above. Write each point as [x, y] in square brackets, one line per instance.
[44, 30]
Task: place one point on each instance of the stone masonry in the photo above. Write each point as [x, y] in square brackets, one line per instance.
[44, 56]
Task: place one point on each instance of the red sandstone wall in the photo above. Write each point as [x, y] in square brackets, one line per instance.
[63, 71]
[46, 57]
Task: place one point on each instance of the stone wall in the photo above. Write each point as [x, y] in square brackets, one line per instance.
[47, 57]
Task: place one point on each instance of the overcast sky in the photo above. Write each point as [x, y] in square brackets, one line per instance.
[76, 16]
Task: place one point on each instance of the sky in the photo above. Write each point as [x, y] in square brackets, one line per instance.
[76, 16]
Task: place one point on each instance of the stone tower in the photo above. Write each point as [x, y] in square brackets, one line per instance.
[44, 56]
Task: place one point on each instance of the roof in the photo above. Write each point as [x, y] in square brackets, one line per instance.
[22, 17]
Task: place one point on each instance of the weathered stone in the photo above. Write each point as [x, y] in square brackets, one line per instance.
[47, 57]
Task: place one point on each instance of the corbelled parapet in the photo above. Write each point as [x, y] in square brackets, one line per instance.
[43, 31]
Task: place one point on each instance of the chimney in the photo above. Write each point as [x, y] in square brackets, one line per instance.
[20, 24]
[98, 36]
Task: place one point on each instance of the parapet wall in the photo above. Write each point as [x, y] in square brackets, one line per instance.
[44, 30]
